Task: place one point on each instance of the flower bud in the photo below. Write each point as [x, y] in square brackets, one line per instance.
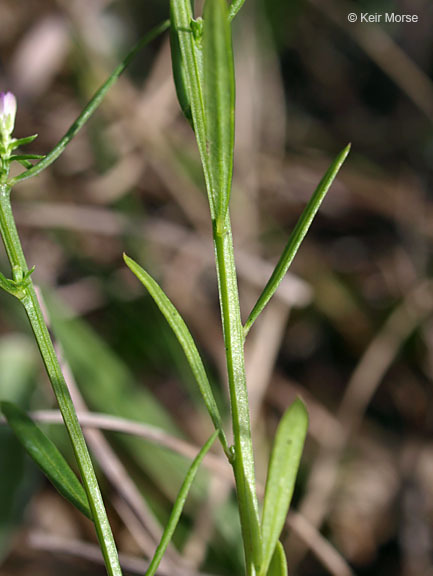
[8, 109]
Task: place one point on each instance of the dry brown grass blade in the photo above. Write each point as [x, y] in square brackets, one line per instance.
[79, 549]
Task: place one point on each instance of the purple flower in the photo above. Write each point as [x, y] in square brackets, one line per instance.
[8, 109]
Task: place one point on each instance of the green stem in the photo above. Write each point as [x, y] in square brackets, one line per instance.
[31, 304]
[243, 461]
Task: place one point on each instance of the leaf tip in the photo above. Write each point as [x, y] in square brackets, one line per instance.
[300, 406]
[346, 150]
[128, 261]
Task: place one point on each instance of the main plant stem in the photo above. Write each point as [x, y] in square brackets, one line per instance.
[243, 461]
[31, 304]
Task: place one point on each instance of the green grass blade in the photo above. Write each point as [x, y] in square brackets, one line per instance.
[296, 238]
[278, 565]
[47, 457]
[282, 471]
[178, 506]
[185, 339]
[219, 101]
[90, 108]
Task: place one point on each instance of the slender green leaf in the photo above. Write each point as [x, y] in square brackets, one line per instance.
[296, 238]
[185, 339]
[25, 163]
[278, 565]
[179, 75]
[114, 390]
[91, 107]
[7, 285]
[235, 6]
[181, 18]
[22, 141]
[47, 457]
[282, 471]
[219, 101]
[178, 506]
[21, 157]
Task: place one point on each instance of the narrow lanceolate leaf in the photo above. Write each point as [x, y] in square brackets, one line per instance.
[181, 19]
[20, 157]
[282, 471]
[178, 506]
[7, 285]
[219, 101]
[235, 6]
[278, 566]
[185, 339]
[179, 75]
[296, 238]
[90, 108]
[47, 457]
[22, 141]
[25, 163]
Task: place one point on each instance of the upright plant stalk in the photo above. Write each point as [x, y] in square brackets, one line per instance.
[27, 295]
[243, 459]
[219, 107]
[203, 67]
[207, 63]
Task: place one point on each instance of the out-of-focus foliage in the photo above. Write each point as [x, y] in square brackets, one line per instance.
[17, 478]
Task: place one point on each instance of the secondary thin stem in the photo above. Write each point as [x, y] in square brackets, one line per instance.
[31, 304]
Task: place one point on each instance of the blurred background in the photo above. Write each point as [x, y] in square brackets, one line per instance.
[350, 329]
